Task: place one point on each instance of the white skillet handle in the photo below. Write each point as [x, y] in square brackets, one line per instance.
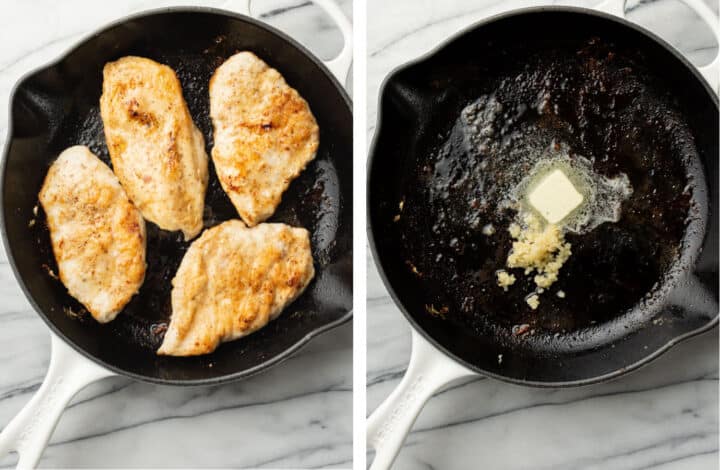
[711, 71]
[29, 432]
[429, 371]
[340, 65]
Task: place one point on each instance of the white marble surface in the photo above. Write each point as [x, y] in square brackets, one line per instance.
[664, 416]
[297, 415]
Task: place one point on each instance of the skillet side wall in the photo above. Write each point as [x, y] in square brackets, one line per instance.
[406, 108]
[57, 106]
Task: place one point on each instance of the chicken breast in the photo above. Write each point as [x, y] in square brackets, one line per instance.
[157, 152]
[265, 134]
[232, 281]
[97, 235]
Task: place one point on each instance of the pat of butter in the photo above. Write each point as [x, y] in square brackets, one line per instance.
[555, 197]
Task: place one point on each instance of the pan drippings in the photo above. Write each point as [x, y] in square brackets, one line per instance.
[590, 107]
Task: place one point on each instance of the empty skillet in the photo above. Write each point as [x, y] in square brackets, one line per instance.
[57, 106]
[532, 79]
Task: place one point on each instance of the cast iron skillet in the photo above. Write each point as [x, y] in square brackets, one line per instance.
[418, 104]
[57, 106]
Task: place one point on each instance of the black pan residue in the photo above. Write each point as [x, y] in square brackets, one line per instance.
[312, 201]
[600, 104]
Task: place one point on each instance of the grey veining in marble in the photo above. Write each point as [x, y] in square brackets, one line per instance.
[664, 416]
[297, 415]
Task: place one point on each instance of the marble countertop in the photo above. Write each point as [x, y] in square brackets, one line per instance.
[284, 418]
[664, 416]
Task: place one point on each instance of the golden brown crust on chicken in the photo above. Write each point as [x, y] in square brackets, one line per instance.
[232, 281]
[157, 151]
[265, 134]
[97, 235]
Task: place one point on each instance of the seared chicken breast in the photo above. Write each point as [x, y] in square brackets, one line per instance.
[157, 152]
[97, 235]
[265, 134]
[232, 281]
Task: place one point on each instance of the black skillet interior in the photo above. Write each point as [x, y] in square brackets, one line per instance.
[57, 107]
[419, 104]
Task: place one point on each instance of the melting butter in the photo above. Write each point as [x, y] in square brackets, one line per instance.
[560, 194]
[554, 196]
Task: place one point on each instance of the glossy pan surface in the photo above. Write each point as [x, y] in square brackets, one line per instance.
[419, 103]
[58, 106]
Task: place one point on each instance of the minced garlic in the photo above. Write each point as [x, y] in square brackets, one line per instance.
[540, 249]
[505, 279]
[514, 230]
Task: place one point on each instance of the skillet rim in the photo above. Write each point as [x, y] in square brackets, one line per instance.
[222, 379]
[371, 159]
